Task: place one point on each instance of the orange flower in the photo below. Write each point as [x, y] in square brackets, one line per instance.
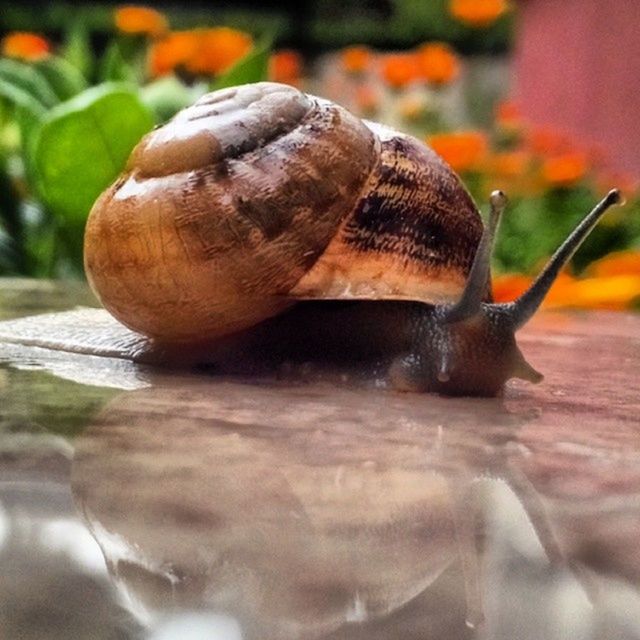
[477, 13]
[172, 52]
[547, 142]
[507, 114]
[202, 51]
[614, 292]
[509, 286]
[510, 164]
[462, 150]
[564, 170]
[218, 49]
[400, 69]
[438, 63]
[28, 46]
[285, 66]
[356, 59]
[367, 98]
[617, 264]
[140, 21]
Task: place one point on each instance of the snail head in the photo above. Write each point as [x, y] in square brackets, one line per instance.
[469, 348]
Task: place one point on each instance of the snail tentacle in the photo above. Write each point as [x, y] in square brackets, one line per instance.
[480, 274]
[527, 304]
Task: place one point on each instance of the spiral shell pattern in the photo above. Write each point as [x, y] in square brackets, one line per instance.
[223, 209]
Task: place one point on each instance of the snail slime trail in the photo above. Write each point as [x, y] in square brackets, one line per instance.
[276, 226]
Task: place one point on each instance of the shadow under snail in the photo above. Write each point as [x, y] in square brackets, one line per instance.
[264, 217]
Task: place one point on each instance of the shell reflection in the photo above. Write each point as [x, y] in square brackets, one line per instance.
[295, 511]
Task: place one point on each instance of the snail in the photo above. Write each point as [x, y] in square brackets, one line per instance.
[265, 211]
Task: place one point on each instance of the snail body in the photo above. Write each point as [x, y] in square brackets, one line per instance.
[259, 197]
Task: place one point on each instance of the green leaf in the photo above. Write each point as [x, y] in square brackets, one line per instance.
[21, 97]
[83, 145]
[254, 67]
[77, 48]
[28, 114]
[114, 66]
[65, 79]
[26, 77]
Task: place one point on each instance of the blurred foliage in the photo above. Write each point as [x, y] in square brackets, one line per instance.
[321, 25]
[70, 115]
[339, 23]
[69, 120]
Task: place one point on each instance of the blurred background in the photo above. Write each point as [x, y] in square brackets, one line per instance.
[536, 97]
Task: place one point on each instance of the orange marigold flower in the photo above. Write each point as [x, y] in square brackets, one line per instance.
[172, 52]
[565, 170]
[510, 164]
[462, 150]
[367, 98]
[438, 63]
[400, 69]
[140, 21]
[613, 292]
[509, 286]
[285, 66]
[477, 13]
[508, 115]
[547, 142]
[617, 264]
[201, 51]
[356, 59]
[218, 49]
[25, 45]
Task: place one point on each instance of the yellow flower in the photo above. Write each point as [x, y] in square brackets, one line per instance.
[438, 63]
[462, 150]
[140, 21]
[477, 13]
[25, 45]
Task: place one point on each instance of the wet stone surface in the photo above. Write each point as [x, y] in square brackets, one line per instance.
[140, 503]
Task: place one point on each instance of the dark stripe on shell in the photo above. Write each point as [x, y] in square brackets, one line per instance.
[416, 208]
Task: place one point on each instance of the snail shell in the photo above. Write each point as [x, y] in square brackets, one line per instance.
[258, 196]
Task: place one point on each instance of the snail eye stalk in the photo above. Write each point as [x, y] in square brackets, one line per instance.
[480, 274]
[527, 304]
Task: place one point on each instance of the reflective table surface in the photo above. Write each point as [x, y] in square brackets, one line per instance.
[143, 503]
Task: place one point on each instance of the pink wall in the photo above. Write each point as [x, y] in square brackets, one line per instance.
[577, 68]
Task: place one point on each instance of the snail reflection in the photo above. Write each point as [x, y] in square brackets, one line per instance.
[299, 512]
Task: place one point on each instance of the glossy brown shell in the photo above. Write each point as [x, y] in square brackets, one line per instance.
[411, 236]
[259, 195]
